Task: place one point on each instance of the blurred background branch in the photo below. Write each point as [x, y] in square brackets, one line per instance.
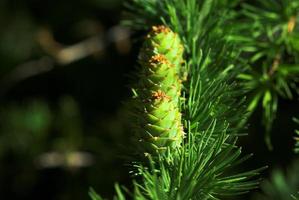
[61, 55]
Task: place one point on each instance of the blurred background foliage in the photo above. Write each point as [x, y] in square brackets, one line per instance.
[62, 84]
[61, 87]
[270, 46]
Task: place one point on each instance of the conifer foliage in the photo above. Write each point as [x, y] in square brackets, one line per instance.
[187, 109]
[267, 32]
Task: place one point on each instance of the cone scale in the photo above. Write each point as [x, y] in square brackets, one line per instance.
[156, 103]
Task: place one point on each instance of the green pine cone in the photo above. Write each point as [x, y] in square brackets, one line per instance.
[159, 74]
[156, 106]
[161, 40]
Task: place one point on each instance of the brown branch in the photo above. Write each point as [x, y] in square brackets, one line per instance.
[25, 71]
[275, 65]
[96, 44]
[291, 24]
[61, 55]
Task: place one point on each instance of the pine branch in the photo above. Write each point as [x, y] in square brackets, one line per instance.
[267, 33]
[211, 109]
[198, 171]
[205, 53]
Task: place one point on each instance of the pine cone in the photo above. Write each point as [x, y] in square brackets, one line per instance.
[156, 106]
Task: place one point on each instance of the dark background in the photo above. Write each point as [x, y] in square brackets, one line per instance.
[62, 124]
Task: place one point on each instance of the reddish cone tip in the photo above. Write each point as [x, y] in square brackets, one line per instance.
[160, 29]
[158, 95]
[159, 58]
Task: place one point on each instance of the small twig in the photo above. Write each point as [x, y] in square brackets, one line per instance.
[79, 51]
[25, 71]
[291, 24]
[275, 65]
[66, 55]
[70, 160]
[276, 62]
